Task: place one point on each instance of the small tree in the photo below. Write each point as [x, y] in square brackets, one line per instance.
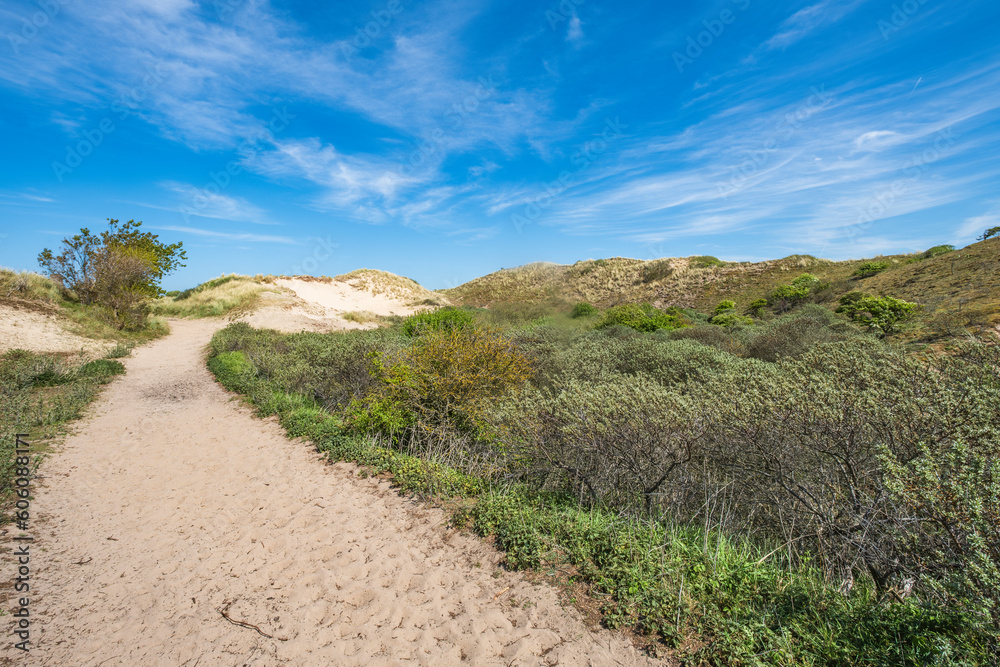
[989, 233]
[117, 270]
[123, 284]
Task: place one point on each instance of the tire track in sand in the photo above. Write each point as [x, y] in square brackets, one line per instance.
[186, 503]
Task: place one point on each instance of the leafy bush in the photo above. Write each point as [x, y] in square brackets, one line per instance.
[447, 377]
[446, 319]
[705, 261]
[730, 319]
[584, 309]
[724, 306]
[938, 250]
[989, 233]
[757, 306]
[641, 317]
[784, 297]
[881, 313]
[869, 269]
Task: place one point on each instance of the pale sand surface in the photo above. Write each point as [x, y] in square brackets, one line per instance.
[311, 305]
[42, 332]
[172, 501]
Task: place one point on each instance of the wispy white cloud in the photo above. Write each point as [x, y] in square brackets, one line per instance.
[207, 203]
[229, 236]
[809, 19]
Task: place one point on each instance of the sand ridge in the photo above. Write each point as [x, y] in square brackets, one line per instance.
[172, 502]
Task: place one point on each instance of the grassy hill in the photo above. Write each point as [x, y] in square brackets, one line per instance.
[957, 288]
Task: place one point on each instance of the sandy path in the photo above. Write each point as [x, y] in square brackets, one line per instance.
[178, 502]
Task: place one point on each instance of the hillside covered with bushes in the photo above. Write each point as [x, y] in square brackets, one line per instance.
[955, 288]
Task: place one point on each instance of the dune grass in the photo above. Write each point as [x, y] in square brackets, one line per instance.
[225, 295]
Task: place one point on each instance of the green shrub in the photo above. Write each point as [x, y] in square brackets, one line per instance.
[730, 319]
[442, 319]
[584, 309]
[880, 313]
[869, 269]
[724, 306]
[641, 317]
[938, 250]
[705, 261]
[989, 233]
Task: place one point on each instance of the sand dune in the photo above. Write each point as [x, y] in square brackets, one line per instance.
[172, 502]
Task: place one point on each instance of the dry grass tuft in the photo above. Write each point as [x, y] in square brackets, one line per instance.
[391, 285]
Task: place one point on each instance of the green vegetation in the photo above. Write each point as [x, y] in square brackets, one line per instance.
[584, 309]
[937, 250]
[869, 269]
[792, 492]
[38, 395]
[117, 272]
[881, 313]
[705, 261]
[990, 233]
[225, 295]
[443, 319]
[641, 317]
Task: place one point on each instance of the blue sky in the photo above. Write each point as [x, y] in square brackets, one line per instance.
[444, 140]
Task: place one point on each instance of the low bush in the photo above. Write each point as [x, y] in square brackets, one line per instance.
[584, 309]
[724, 306]
[730, 320]
[447, 319]
[705, 261]
[869, 269]
[641, 317]
[938, 250]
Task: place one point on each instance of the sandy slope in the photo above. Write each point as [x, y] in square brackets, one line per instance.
[42, 332]
[317, 305]
[172, 502]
